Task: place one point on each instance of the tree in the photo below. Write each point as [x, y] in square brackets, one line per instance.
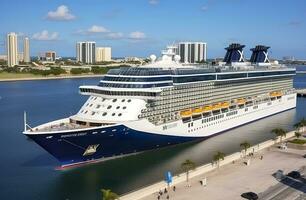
[300, 125]
[109, 195]
[297, 134]
[279, 132]
[245, 145]
[188, 165]
[218, 156]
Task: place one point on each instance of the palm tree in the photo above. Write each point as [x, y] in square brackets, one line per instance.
[188, 165]
[245, 145]
[279, 132]
[297, 134]
[218, 156]
[300, 125]
[109, 195]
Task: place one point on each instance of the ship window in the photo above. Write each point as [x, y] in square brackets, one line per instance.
[103, 100]
[114, 100]
[104, 114]
[109, 107]
[123, 100]
[129, 100]
[93, 113]
[113, 114]
[118, 107]
[86, 111]
[124, 107]
[119, 114]
[90, 105]
[98, 106]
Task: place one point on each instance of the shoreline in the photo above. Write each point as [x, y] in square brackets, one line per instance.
[51, 77]
[147, 191]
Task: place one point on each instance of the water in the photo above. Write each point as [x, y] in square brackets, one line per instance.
[28, 172]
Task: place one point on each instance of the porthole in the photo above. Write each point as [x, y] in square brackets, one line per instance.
[123, 100]
[103, 100]
[98, 106]
[117, 107]
[113, 114]
[109, 107]
[90, 105]
[129, 100]
[114, 100]
[104, 114]
[124, 107]
[119, 114]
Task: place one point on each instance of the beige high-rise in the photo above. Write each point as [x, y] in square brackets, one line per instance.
[103, 54]
[26, 50]
[12, 49]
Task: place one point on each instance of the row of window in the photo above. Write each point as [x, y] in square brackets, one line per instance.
[122, 85]
[118, 93]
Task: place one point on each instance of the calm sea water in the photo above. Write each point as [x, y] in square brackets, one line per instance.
[28, 172]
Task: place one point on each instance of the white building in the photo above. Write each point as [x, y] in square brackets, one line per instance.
[86, 52]
[12, 49]
[26, 50]
[103, 54]
[192, 52]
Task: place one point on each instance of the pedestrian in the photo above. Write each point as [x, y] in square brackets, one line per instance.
[174, 188]
[168, 196]
[261, 157]
[158, 197]
[165, 191]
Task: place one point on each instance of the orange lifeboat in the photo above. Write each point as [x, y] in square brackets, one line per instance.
[225, 104]
[276, 94]
[207, 108]
[216, 106]
[186, 113]
[197, 111]
[241, 101]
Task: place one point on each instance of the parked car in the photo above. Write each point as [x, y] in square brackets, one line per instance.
[294, 174]
[249, 195]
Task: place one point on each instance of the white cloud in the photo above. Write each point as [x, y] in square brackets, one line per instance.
[62, 13]
[97, 29]
[114, 35]
[46, 36]
[137, 35]
[153, 2]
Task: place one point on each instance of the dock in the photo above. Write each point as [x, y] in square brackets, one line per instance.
[301, 92]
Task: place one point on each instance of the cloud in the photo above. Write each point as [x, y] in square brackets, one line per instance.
[46, 36]
[137, 35]
[153, 2]
[97, 29]
[204, 8]
[114, 35]
[62, 13]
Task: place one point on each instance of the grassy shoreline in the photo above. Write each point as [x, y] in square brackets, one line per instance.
[4, 76]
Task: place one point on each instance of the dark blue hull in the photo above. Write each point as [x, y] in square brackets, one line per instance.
[69, 147]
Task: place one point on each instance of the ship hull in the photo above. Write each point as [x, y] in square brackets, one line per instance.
[81, 146]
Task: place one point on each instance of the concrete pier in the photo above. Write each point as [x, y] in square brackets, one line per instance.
[147, 192]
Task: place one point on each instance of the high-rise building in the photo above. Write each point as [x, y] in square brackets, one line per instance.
[26, 50]
[50, 56]
[192, 52]
[103, 54]
[86, 52]
[12, 49]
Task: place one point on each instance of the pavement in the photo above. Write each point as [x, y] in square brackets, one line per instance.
[230, 181]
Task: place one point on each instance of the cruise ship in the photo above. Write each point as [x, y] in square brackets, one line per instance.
[165, 102]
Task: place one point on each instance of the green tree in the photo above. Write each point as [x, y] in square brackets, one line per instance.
[245, 146]
[297, 134]
[279, 132]
[188, 165]
[109, 195]
[300, 125]
[217, 157]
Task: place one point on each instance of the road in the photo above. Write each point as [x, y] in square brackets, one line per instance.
[287, 189]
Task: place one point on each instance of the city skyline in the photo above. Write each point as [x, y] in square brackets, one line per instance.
[147, 26]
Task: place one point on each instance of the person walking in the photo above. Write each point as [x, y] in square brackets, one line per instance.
[174, 188]
[168, 196]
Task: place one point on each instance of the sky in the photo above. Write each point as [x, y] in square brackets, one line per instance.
[144, 27]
